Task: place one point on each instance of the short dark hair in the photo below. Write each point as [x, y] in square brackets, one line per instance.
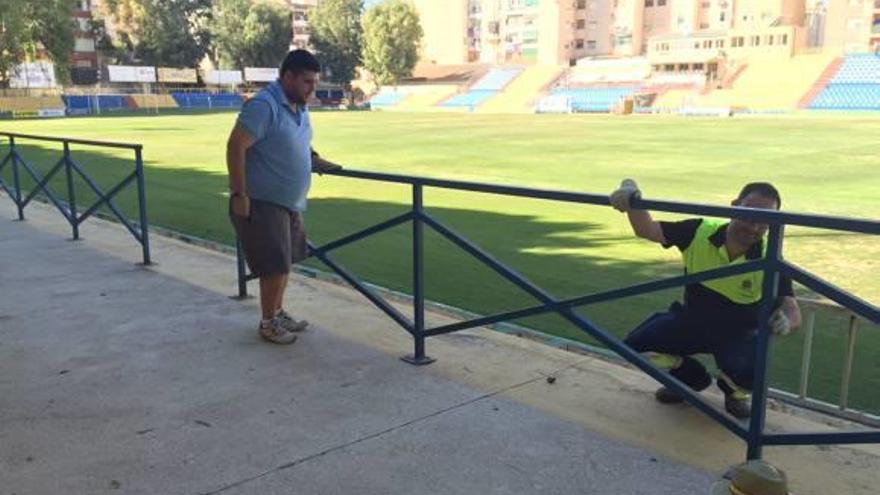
[299, 60]
[764, 189]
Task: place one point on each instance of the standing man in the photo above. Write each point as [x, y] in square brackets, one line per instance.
[718, 317]
[270, 159]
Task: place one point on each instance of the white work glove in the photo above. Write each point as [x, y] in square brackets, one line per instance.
[621, 197]
[779, 323]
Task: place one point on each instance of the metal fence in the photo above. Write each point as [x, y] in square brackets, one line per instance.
[69, 208]
[841, 409]
[772, 266]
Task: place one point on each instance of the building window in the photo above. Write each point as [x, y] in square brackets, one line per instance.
[582, 4]
[784, 39]
[661, 3]
[669, 67]
[704, 25]
[770, 39]
[705, 5]
[579, 44]
[756, 41]
[581, 24]
[649, 3]
[698, 66]
[591, 44]
[720, 43]
[722, 16]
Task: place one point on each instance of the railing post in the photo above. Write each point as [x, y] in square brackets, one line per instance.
[418, 357]
[807, 356]
[142, 204]
[16, 181]
[242, 274]
[755, 438]
[848, 361]
[71, 195]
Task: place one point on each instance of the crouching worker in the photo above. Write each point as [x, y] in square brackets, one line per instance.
[717, 317]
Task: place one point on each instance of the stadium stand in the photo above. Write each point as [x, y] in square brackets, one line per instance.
[429, 85]
[594, 99]
[584, 100]
[519, 96]
[621, 70]
[152, 101]
[761, 84]
[487, 87]
[30, 104]
[855, 85]
[92, 104]
[207, 100]
[426, 97]
[387, 97]
[470, 99]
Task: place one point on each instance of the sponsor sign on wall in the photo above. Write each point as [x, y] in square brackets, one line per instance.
[223, 77]
[169, 75]
[33, 75]
[260, 74]
[131, 73]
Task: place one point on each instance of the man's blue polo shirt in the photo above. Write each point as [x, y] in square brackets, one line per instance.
[279, 164]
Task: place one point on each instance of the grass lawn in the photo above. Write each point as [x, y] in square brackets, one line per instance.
[825, 165]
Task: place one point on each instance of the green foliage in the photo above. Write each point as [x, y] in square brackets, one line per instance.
[31, 29]
[336, 35]
[392, 35]
[250, 34]
[158, 32]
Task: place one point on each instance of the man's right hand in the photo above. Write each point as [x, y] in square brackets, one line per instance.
[621, 197]
[241, 206]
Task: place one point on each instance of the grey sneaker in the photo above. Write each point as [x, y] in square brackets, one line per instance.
[289, 323]
[274, 332]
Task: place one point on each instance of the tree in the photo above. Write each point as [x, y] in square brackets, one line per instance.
[158, 32]
[36, 29]
[392, 35]
[125, 19]
[174, 33]
[53, 29]
[336, 35]
[12, 37]
[250, 34]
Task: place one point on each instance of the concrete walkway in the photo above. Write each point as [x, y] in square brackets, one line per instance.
[115, 378]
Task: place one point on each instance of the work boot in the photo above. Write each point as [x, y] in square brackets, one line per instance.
[737, 405]
[667, 396]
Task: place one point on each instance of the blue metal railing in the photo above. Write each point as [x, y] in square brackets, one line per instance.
[772, 266]
[68, 208]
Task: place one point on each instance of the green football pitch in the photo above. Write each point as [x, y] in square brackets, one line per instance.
[822, 164]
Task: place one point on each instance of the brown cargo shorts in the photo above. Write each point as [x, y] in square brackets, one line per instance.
[272, 238]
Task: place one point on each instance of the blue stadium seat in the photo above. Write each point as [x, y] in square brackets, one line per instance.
[857, 69]
[593, 99]
[470, 99]
[496, 79]
[386, 97]
[855, 86]
[87, 104]
[208, 100]
[848, 97]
